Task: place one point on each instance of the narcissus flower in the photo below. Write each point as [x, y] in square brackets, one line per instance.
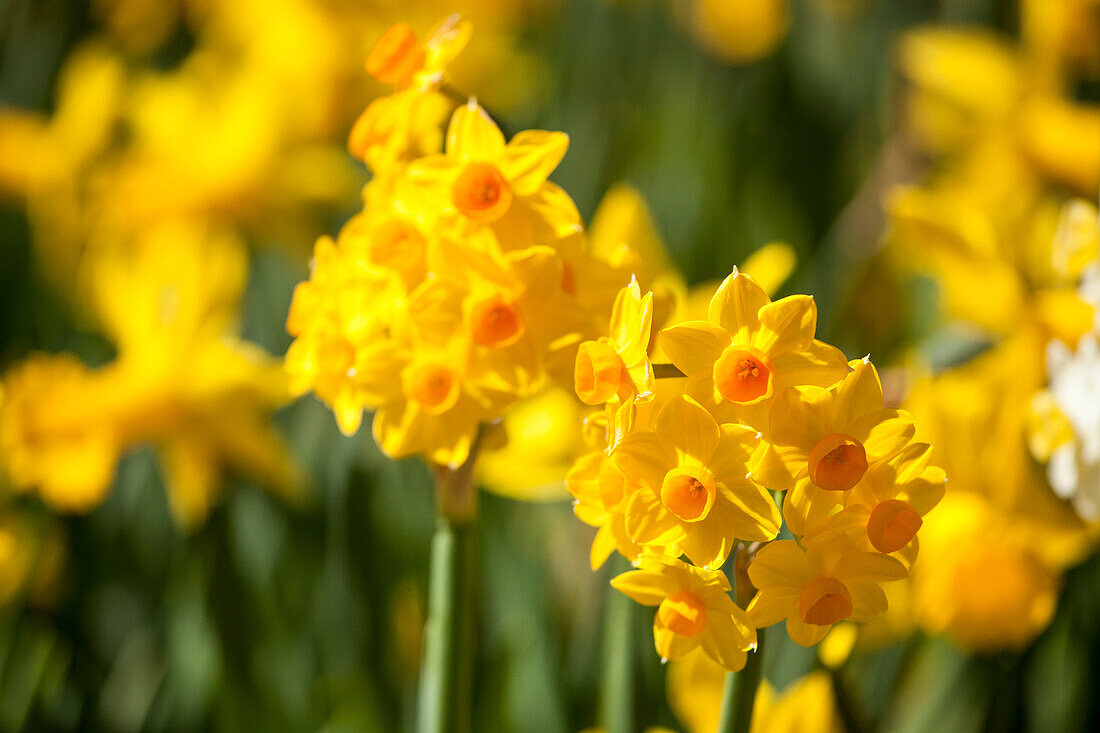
[617, 365]
[816, 588]
[398, 58]
[749, 350]
[696, 490]
[479, 175]
[693, 610]
[823, 440]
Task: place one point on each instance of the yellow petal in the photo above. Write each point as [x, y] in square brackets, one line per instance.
[734, 453]
[861, 391]
[603, 544]
[884, 433]
[870, 566]
[772, 605]
[689, 427]
[736, 304]
[694, 346]
[530, 157]
[816, 363]
[669, 644]
[780, 564]
[645, 457]
[649, 523]
[723, 643]
[793, 318]
[771, 265]
[648, 587]
[472, 135]
[803, 633]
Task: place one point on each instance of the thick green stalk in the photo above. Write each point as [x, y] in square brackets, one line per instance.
[740, 692]
[617, 681]
[445, 703]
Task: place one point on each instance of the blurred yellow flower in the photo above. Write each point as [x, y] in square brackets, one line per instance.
[739, 32]
[180, 381]
[808, 705]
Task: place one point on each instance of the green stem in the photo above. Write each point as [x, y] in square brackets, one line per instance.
[740, 693]
[617, 693]
[445, 703]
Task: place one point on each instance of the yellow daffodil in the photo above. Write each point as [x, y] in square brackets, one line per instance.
[823, 441]
[180, 381]
[749, 350]
[693, 610]
[989, 579]
[398, 58]
[479, 176]
[696, 490]
[817, 587]
[618, 365]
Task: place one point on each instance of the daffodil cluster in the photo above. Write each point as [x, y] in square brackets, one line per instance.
[1009, 140]
[688, 459]
[465, 283]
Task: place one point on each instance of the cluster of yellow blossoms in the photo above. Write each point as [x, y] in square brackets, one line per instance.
[463, 285]
[753, 404]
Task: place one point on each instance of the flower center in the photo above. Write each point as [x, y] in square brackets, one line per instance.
[396, 56]
[688, 492]
[434, 386]
[892, 524]
[481, 193]
[598, 373]
[825, 601]
[837, 462]
[743, 375]
[683, 613]
[495, 322]
[397, 244]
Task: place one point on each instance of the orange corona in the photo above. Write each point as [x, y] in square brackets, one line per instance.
[837, 462]
[481, 192]
[496, 322]
[683, 614]
[397, 244]
[743, 375]
[396, 56]
[892, 524]
[825, 601]
[599, 373]
[689, 493]
[434, 387]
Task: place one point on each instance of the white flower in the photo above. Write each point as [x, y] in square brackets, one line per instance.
[1074, 468]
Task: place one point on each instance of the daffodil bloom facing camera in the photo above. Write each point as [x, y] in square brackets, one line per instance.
[823, 440]
[817, 587]
[479, 175]
[696, 490]
[749, 350]
[693, 610]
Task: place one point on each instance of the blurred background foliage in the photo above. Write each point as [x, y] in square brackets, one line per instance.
[304, 610]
